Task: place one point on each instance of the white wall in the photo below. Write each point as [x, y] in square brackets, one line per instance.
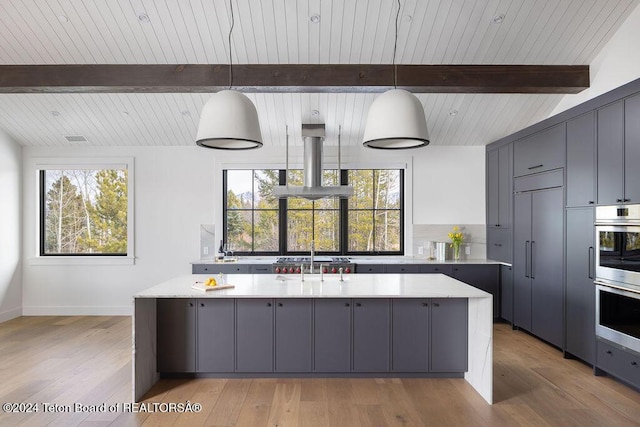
[618, 63]
[10, 228]
[179, 188]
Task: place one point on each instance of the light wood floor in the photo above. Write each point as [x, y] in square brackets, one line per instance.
[87, 360]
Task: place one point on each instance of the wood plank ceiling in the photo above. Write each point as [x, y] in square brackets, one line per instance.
[32, 32]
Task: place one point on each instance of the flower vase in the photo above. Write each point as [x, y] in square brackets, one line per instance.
[456, 251]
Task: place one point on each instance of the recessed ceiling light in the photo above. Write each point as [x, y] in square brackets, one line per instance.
[185, 113]
[63, 19]
[453, 113]
[407, 18]
[125, 113]
[315, 112]
[143, 17]
[315, 18]
[498, 18]
[54, 113]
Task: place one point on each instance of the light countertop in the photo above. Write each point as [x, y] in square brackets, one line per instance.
[354, 286]
[358, 260]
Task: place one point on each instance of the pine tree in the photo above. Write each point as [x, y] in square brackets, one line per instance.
[65, 219]
[109, 213]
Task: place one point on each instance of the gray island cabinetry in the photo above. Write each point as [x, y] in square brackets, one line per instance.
[392, 325]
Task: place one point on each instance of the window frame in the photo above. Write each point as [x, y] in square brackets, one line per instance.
[108, 163]
[343, 217]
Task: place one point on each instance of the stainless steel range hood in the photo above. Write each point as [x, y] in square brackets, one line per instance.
[313, 138]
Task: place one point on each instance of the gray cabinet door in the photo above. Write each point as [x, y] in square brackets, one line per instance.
[540, 152]
[504, 185]
[546, 265]
[485, 277]
[402, 268]
[521, 258]
[493, 188]
[254, 335]
[610, 154]
[410, 334]
[293, 335]
[449, 334]
[216, 330]
[581, 173]
[259, 268]
[506, 293]
[371, 330]
[332, 335]
[436, 268]
[213, 268]
[176, 323]
[499, 244]
[580, 292]
[369, 268]
[632, 150]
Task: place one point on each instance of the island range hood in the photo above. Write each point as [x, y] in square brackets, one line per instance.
[313, 138]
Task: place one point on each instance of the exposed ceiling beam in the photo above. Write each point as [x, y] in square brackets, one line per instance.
[322, 78]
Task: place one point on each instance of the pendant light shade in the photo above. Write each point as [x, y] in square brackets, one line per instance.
[396, 121]
[229, 121]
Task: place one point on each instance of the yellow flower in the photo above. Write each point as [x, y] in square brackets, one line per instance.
[456, 236]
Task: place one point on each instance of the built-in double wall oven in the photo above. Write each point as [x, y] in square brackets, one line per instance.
[617, 262]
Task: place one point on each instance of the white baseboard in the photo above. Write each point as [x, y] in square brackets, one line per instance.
[77, 311]
[10, 314]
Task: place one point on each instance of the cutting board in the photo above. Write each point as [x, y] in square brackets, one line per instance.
[199, 286]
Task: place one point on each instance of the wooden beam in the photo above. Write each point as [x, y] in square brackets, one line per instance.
[323, 78]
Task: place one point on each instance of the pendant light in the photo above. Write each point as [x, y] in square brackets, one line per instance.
[396, 118]
[229, 120]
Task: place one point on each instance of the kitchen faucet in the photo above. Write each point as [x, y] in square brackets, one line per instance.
[313, 254]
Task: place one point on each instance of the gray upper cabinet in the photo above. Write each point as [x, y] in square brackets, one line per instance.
[371, 335]
[581, 158]
[254, 335]
[449, 328]
[540, 152]
[332, 335]
[632, 149]
[499, 244]
[580, 290]
[216, 330]
[499, 165]
[176, 326]
[293, 335]
[610, 154]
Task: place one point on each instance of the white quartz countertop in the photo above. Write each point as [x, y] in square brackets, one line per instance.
[291, 286]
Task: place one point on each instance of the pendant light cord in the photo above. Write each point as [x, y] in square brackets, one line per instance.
[395, 48]
[230, 55]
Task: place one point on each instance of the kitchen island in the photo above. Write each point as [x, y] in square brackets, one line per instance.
[392, 325]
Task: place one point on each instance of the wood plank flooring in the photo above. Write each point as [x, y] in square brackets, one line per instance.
[87, 360]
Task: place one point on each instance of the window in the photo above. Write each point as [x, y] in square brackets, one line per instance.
[86, 209]
[257, 223]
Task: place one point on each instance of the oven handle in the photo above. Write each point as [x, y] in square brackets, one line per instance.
[591, 265]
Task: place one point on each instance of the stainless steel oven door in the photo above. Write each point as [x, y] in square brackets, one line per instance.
[618, 316]
[618, 254]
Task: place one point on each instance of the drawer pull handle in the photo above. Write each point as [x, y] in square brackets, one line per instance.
[346, 304]
[619, 200]
[591, 202]
[435, 304]
[634, 363]
[201, 304]
[279, 304]
[535, 167]
[268, 304]
[609, 352]
[358, 304]
[626, 200]
[190, 304]
[498, 244]
[424, 304]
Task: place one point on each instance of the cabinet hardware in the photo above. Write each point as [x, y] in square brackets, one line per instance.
[634, 363]
[526, 259]
[590, 265]
[424, 304]
[619, 200]
[535, 167]
[532, 268]
[497, 244]
[268, 304]
[190, 304]
[497, 225]
[626, 200]
[591, 202]
[201, 304]
[436, 304]
[346, 304]
[279, 304]
[358, 304]
[609, 352]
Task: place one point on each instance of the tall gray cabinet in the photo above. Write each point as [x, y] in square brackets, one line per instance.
[538, 256]
[499, 173]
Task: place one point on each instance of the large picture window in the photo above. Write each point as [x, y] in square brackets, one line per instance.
[85, 210]
[370, 222]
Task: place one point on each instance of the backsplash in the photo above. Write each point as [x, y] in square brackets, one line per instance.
[475, 238]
